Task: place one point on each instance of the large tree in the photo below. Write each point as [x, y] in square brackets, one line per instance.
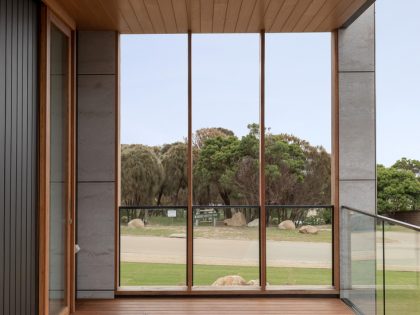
[141, 175]
[398, 189]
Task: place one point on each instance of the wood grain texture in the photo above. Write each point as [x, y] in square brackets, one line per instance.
[207, 16]
[207, 306]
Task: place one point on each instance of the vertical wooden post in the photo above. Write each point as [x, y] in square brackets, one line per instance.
[190, 175]
[263, 256]
[335, 159]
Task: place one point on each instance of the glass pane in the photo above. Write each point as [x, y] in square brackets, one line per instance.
[358, 233]
[154, 105]
[299, 246]
[226, 250]
[152, 251]
[297, 159]
[58, 160]
[226, 147]
[402, 270]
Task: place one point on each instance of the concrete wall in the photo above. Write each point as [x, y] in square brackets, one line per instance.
[357, 158]
[96, 84]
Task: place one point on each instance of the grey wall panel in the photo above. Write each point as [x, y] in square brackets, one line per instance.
[18, 153]
[96, 175]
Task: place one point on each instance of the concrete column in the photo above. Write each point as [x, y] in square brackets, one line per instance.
[96, 171]
[357, 159]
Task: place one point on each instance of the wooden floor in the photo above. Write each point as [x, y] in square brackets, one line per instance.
[208, 306]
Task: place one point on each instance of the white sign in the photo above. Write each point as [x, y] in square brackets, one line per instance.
[171, 213]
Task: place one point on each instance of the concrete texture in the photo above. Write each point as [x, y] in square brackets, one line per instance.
[357, 159]
[96, 80]
[96, 128]
[96, 52]
[356, 48]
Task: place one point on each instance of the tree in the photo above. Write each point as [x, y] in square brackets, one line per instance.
[408, 165]
[398, 190]
[201, 135]
[174, 162]
[141, 175]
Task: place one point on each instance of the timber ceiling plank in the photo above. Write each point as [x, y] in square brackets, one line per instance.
[309, 15]
[219, 16]
[195, 16]
[130, 16]
[168, 15]
[181, 15]
[332, 18]
[245, 14]
[143, 16]
[206, 12]
[296, 15]
[152, 7]
[283, 15]
[234, 6]
[355, 5]
[271, 12]
[210, 16]
[328, 7]
[256, 23]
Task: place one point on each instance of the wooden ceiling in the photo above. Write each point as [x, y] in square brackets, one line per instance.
[209, 16]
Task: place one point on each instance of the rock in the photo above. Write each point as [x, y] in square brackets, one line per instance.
[287, 225]
[237, 219]
[255, 282]
[308, 229]
[229, 281]
[136, 224]
[178, 235]
[254, 223]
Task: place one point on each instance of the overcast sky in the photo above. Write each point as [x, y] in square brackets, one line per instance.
[298, 82]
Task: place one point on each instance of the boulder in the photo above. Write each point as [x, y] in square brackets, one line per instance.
[136, 224]
[308, 229]
[237, 219]
[254, 223]
[255, 282]
[229, 281]
[287, 225]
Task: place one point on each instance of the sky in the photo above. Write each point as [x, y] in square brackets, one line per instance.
[225, 84]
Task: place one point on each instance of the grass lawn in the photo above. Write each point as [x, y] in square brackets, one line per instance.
[140, 274]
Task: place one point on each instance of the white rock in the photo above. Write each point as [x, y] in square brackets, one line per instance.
[136, 224]
[229, 281]
[254, 223]
[308, 229]
[287, 225]
[237, 219]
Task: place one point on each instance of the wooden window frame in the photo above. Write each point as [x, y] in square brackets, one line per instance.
[263, 290]
[48, 18]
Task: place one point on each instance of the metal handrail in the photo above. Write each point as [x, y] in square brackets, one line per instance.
[380, 217]
[230, 206]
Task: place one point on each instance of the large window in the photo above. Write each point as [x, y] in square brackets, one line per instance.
[223, 206]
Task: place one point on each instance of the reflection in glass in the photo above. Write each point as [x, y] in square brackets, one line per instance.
[58, 174]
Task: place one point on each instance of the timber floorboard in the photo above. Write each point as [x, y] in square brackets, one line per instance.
[209, 306]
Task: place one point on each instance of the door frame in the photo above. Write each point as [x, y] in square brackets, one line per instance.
[48, 18]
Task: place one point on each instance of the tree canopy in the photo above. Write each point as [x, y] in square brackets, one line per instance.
[225, 170]
[399, 186]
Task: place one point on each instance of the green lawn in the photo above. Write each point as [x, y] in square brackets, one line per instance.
[140, 274]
